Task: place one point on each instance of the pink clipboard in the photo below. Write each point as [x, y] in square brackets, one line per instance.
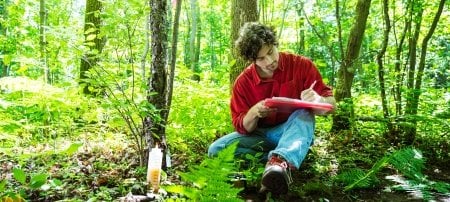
[285, 104]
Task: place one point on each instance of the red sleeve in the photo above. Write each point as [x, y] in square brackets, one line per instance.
[313, 74]
[239, 107]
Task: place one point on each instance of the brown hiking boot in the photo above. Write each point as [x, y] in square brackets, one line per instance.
[277, 176]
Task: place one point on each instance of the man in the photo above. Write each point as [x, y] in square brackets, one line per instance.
[284, 137]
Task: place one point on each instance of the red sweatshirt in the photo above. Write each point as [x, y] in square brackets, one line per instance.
[293, 75]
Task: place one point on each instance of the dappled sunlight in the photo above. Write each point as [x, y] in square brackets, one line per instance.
[19, 83]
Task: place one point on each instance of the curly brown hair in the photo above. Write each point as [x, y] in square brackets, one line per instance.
[252, 36]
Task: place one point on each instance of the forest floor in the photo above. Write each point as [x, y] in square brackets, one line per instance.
[108, 169]
[303, 190]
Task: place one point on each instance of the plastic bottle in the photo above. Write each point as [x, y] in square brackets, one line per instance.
[154, 168]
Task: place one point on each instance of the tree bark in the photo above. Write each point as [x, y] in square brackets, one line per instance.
[146, 49]
[380, 55]
[399, 74]
[301, 27]
[92, 23]
[241, 12]
[423, 53]
[415, 86]
[342, 119]
[154, 131]
[192, 37]
[173, 61]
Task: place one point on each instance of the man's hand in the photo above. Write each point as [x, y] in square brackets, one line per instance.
[260, 110]
[312, 96]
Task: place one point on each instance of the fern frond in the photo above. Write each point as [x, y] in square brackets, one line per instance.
[209, 180]
[357, 178]
[410, 162]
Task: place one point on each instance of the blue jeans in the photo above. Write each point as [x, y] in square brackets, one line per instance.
[290, 140]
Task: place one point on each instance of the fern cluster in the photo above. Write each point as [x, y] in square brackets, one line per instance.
[409, 162]
[209, 180]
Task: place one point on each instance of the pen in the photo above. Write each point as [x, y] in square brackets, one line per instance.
[313, 84]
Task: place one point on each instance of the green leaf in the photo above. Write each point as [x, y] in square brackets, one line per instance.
[91, 37]
[19, 175]
[2, 185]
[38, 180]
[90, 30]
[56, 182]
[73, 148]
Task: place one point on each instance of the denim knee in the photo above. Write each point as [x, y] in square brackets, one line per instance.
[214, 149]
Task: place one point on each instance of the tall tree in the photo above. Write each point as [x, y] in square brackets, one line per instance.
[300, 27]
[399, 46]
[154, 130]
[380, 61]
[43, 40]
[346, 73]
[93, 40]
[3, 15]
[173, 60]
[414, 81]
[146, 49]
[194, 39]
[241, 12]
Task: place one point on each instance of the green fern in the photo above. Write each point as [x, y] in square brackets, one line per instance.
[409, 162]
[357, 178]
[209, 180]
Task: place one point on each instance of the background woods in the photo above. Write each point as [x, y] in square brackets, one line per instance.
[87, 85]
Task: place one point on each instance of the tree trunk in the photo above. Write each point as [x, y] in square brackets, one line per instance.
[146, 49]
[285, 9]
[192, 37]
[154, 131]
[4, 15]
[415, 83]
[197, 48]
[301, 27]
[241, 12]
[43, 41]
[173, 61]
[380, 55]
[92, 23]
[342, 119]
[399, 74]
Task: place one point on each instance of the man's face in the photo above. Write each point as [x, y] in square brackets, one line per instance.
[267, 60]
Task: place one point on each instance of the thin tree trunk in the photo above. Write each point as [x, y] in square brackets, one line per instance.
[322, 39]
[192, 37]
[174, 55]
[197, 48]
[285, 9]
[146, 49]
[4, 15]
[43, 40]
[413, 101]
[412, 58]
[301, 28]
[423, 54]
[342, 119]
[380, 56]
[399, 74]
[339, 26]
